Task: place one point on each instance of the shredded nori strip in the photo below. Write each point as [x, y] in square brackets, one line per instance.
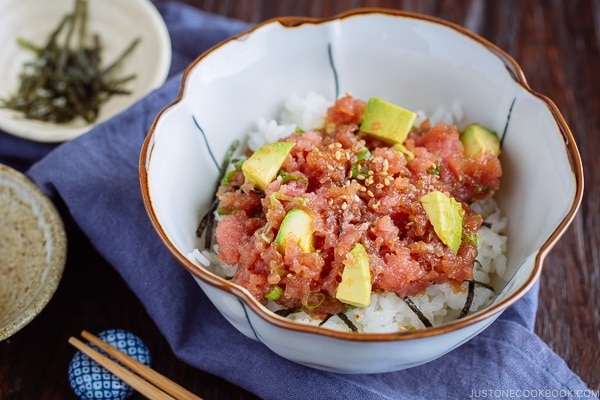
[347, 321]
[471, 295]
[344, 318]
[485, 285]
[468, 301]
[66, 80]
[259, 193]
[326, 319]
[418, 312]
[207, 222]
[286, 311]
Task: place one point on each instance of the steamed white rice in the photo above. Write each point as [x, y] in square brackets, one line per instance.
[387, 312]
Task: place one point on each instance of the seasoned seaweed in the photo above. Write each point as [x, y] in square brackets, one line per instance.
[66, 79]
[207, 222]
[347, 321]
[286, 311]
[418, 312]
[469, 300]
[471, 295]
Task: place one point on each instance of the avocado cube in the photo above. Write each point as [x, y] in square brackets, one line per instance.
[446, 215]
[297, 224]
[355, 287]
[262, 166]
[387, 121]
[477, 139]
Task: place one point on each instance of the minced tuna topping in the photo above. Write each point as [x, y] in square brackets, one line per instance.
[356, 189]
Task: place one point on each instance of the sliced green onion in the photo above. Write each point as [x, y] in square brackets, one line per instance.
[363, 155]
[228, 176]
[359, 171]
[274, 293]
[285, 177]
[313, 300]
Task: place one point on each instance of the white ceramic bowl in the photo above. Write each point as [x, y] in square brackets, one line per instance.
[420, 62]
[33, 251]
[117, 23]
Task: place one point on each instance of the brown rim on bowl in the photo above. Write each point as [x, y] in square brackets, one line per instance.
[517, 74]
[25, 192]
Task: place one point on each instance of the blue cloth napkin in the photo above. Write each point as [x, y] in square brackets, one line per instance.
[96, 177]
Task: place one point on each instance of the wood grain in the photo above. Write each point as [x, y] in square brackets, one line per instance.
[557, 43]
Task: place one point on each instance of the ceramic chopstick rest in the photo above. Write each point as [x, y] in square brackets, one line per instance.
[89, 380]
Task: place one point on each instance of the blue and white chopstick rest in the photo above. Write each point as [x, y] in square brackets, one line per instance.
[90, 380]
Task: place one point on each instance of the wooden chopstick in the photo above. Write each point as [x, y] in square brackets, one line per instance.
[147, 381]
[146, 372]
[139, 384]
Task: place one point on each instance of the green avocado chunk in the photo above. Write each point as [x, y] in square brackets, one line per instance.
[355, 287]
[387, 121]
[478, 139]
[446, 215]
[297, 224]
[262, 166]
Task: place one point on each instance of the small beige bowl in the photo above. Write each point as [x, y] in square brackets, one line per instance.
[33, 249]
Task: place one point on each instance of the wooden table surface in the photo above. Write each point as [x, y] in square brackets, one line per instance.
[557, 43]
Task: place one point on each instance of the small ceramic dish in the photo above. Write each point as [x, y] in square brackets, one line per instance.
[417, 61]
[33, 248]
[116, 22]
